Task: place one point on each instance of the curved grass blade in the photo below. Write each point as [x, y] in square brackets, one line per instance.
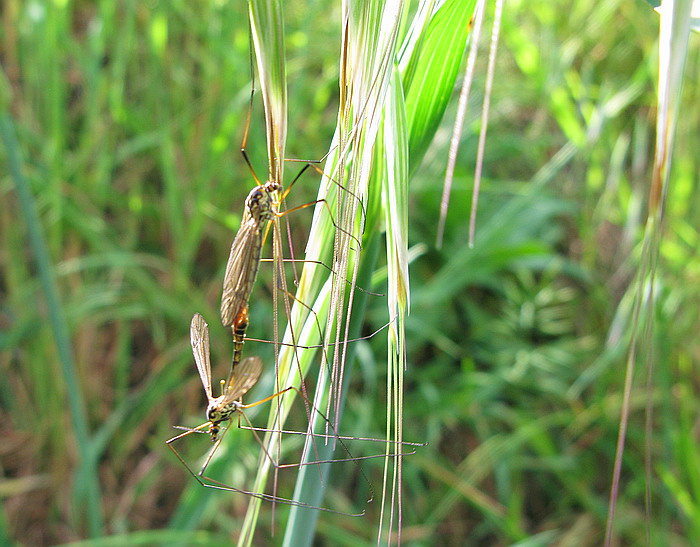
[429, 87]
[369, 50]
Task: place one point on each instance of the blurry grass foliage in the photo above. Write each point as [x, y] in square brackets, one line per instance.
[121, 185]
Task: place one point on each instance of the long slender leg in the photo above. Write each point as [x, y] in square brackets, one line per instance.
[244, 142]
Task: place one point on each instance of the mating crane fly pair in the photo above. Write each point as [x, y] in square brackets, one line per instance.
[241, 271]
[222, 409]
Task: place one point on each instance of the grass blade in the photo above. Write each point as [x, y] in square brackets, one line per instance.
[86, 487]
[673, 51]
[267, 28]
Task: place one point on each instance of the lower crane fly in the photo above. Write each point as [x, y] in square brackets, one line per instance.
[223, 408]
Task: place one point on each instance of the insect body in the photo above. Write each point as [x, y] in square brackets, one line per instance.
[223, 408]
[244, 258]
[242, 377]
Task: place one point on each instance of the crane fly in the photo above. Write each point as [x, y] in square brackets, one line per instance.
[261, 206]
[244, 258]
[220, 409]
[225, 407]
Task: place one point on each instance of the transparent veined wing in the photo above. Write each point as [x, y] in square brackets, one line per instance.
[243, 377]
[199, 338]
[241, 269]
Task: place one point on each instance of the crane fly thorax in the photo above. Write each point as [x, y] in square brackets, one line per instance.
[220, 410]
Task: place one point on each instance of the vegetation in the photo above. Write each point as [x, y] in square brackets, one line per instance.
[122, 185]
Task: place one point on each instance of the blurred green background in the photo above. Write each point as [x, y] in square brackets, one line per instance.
[129, 118]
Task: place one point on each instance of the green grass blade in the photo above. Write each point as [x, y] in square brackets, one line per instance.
[311, 486]
[267, 27]
[369, 54]
[87, 488]
[395, 205]
[673, 51]
[429, 84]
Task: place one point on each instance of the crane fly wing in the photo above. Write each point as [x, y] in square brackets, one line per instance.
[199, 338]
[243, 377]
[241, 269]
